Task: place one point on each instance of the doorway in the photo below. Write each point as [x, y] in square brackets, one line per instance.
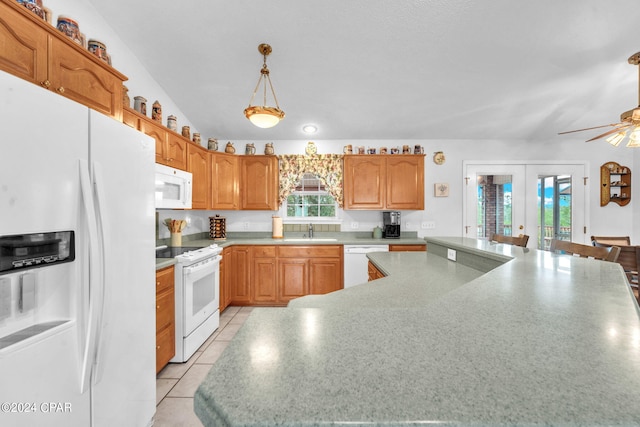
[542, 200]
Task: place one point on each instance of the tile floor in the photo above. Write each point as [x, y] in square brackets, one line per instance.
[177, 382]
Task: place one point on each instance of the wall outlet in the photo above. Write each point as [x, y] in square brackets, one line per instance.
[407, 225]
[245, 225]
[354, 225]
[428, 225]
[451, 254]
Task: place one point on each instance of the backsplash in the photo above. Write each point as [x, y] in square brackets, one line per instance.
[334, 228]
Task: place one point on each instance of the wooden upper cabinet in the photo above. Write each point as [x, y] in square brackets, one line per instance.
[171, 148]
[79, 78]
[376, 182]
[24, 48]
[176, 150]
[259, 182]
[224, 181]
[37, 52]
[364, 182]
[199, 164]
[405, 182]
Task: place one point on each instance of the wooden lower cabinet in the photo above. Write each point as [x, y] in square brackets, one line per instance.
[293, 278]
[165, 317]
[374, 273]
[325, 275]
[264, 274]
[274, 275]
[238, 274]
[225, 282]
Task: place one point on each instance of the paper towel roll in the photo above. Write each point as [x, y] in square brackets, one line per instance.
[277, 227]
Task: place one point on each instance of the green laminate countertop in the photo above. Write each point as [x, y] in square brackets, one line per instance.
[539, 339]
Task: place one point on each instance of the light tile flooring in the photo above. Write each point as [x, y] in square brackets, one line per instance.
[177, 382]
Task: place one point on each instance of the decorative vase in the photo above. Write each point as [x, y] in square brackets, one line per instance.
[156, 112]
[186, 132]
[212, 144]
[230, 148]
[268, 148]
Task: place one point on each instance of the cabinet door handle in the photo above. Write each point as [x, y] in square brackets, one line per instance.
[60, 89]
[46, 83]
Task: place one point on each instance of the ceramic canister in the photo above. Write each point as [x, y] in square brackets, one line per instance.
[172, 123]
[98, 49]
[70, 28]
[140, 104]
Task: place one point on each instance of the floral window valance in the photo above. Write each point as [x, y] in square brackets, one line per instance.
[327, 167]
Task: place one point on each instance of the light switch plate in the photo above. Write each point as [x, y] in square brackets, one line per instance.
[451, 254]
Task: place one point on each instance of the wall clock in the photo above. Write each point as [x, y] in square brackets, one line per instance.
[311, 148]
[438, 158]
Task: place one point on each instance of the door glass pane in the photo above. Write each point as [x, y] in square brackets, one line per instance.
[494, 205]
[554, 209]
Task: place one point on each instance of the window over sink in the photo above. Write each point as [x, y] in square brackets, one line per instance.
[310, 200]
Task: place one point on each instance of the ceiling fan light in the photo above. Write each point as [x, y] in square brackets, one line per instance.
[634, 138]
[616, 138]
[264, 117]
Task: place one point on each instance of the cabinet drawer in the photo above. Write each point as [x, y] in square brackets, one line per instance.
[407, 248]
[310, 251]
[164, 279]
[165, 309]
[264, 251]
[165, 347]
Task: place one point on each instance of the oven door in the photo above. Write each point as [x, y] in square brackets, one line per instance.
[201, 292]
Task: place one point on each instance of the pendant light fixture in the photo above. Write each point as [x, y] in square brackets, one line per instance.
[264, 116]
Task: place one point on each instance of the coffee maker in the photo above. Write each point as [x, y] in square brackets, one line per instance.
[391, 222]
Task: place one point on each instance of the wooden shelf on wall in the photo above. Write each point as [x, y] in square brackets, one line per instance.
[615, 184]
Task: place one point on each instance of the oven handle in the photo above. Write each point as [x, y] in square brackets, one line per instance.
[199, 271]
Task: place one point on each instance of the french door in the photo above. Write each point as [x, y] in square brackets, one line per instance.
[542, 200]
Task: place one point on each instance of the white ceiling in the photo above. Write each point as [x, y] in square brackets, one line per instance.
[384, 69]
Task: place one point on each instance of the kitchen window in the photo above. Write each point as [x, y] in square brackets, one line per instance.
[310, 199]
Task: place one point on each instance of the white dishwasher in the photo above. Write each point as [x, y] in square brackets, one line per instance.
[355, 262]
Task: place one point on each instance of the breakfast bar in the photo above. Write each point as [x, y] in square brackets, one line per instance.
[501, 336]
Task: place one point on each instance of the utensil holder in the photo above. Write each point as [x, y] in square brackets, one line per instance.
[176, 239]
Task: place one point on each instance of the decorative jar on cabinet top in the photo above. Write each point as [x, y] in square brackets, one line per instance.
[268, 148]
[230, 148]
[212, 144]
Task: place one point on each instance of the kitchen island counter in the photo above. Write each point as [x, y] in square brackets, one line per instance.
[542, 339]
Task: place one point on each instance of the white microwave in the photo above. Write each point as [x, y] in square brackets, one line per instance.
[173, 188]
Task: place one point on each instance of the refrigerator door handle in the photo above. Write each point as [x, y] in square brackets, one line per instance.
[100, 289]
[95, 275]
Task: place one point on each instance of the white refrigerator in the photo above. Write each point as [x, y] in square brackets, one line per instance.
[77, 333]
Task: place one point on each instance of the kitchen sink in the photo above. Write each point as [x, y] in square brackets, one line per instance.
[312, 239]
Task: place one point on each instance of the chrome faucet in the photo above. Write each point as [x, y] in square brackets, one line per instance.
[311, 231]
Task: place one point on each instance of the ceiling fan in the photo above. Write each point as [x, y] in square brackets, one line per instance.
[629, 121]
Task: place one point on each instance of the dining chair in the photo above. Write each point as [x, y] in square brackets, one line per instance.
[520, 240]
[629, 259]
[609, 253]
[611, 240]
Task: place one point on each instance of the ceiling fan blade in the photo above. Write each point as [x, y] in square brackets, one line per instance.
[617, 129]
[595, 127]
